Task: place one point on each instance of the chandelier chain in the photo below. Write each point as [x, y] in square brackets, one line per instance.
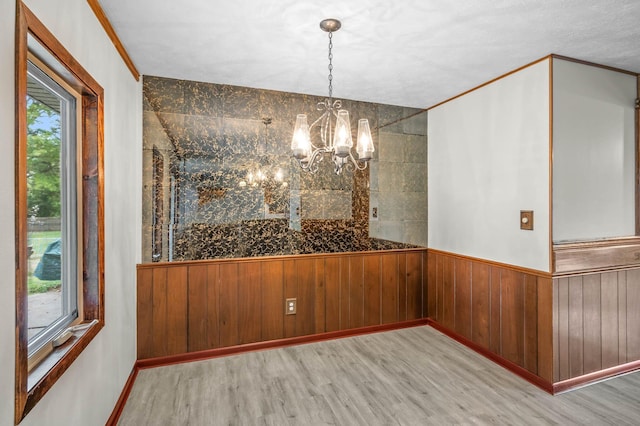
[330, 67]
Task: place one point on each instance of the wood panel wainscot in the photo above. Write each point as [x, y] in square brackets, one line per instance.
[195, 306]
[501, 311]
[596, 294]
[597, 332]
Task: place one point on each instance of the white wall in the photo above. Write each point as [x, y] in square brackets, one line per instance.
[88, 390]
[7, 246]
[593, 152]
[488, 158]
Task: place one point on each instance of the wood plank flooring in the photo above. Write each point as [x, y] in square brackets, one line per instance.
[414, 376]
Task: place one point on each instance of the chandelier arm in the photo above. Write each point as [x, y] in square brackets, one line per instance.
[359, 165]
[316, 152]
[315, 123]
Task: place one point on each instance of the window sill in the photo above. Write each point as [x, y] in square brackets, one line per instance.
[47, 372]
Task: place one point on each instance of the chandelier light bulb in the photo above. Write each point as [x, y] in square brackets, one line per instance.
[365, 142]
[342, 141]
[301, 141]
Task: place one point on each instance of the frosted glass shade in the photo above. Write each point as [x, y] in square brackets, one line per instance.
[365, 142]
[301, 140]
[342, 141]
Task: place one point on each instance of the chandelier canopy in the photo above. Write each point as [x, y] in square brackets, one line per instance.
[335, 129]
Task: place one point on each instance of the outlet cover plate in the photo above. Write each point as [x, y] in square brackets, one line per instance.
[290, 306]
[526, 220]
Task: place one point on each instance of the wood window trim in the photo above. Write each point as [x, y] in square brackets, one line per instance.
[30, 387]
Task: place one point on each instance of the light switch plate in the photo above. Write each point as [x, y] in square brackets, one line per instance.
[526, 220]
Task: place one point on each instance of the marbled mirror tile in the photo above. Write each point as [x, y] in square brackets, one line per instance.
[229, 187]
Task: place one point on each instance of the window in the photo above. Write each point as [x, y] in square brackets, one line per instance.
[52, 214]
[59, 210]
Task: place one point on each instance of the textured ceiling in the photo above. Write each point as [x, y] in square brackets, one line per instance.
[411, 53]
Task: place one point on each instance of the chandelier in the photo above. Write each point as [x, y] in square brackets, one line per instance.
[334, 127]
[264, 174]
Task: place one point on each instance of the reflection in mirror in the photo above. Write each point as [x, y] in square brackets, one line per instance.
[228, 186]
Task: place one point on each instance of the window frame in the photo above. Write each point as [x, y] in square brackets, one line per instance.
[70, 197]
[30, 386]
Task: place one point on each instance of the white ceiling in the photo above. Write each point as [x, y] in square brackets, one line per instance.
[411, 53]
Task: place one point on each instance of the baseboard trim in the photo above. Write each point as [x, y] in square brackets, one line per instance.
[596, 376]
[514, 368]
[124, 395]
[272, 344]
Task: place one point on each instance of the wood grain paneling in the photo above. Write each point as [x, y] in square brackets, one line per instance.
[504, 310]
[561, 287]
[531, 323]
[431, 290]
[403, 279]
[592, 321]
[495, 316]
[609, 319]
[249, 311]
[462, 299]
[356, 292]
[228, 304]
[198, 306]
[390, 289]
[416, 294]
[633, 315]
[159, 318]
[198, 322]
[176, 305]
[320, 297]
[576, 327]
[372, 294]
[598, 322]
[439, 286]
[272, 297]
[593, 256]
[305, 318]
[144, 313]
[332, 293]
[545, 343]
[481, 305]
[512, 313]
[345, 292]
[448, 292]
[622, 317]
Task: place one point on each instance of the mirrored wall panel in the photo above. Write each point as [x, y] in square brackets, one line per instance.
[219, 179]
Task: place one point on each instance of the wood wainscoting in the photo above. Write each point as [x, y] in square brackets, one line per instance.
[598, 325]
[504, 311]
[201, 305]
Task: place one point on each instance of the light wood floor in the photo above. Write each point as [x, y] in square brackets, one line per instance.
[414, 376]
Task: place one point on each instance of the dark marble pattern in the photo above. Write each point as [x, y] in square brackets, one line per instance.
[216, 145]
[272, 237]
